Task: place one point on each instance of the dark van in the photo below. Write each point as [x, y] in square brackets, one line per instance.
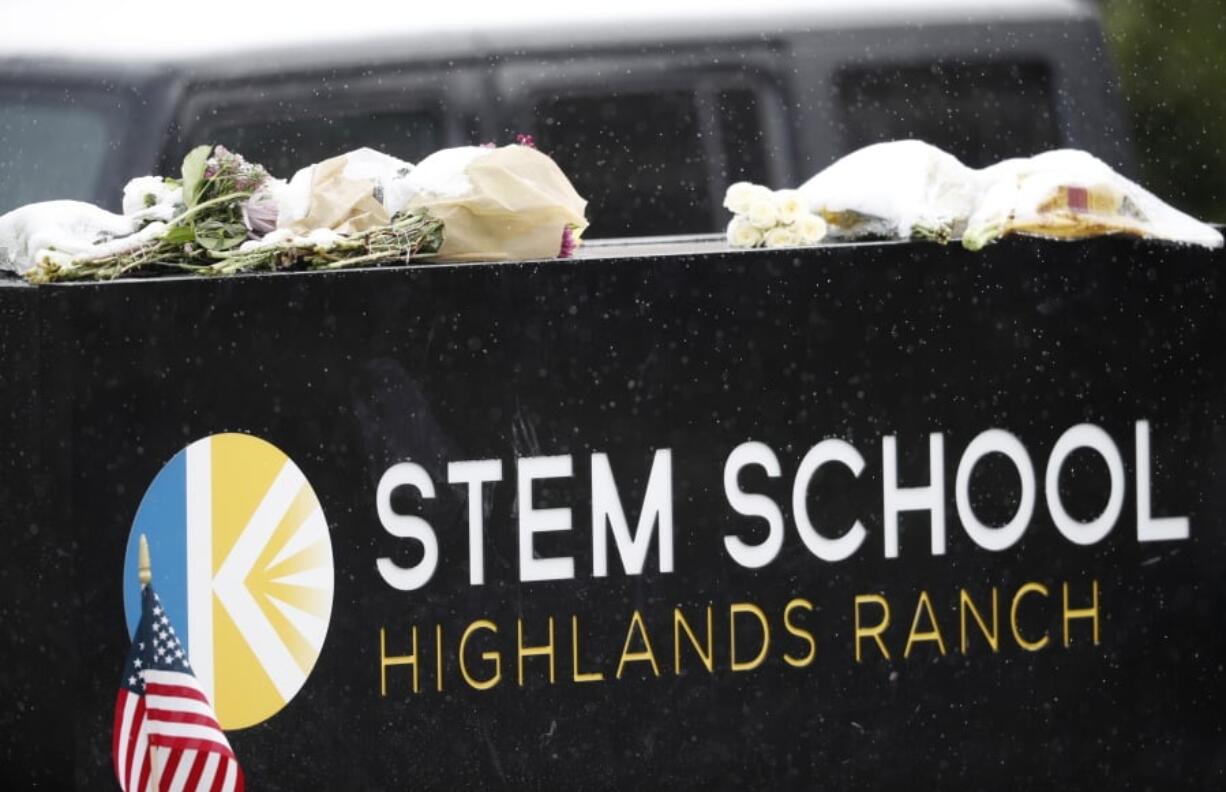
[652, 112]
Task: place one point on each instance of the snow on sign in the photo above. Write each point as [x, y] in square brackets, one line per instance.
[895, 515]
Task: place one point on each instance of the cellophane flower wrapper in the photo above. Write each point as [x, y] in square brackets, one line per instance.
[896, 190]
[1069, 194]
[227, 224]
[908, 189]
[350, 193]
[502, 203]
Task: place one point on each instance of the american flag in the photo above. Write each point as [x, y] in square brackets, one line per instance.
[166, 735]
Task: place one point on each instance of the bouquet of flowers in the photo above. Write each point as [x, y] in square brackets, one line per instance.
[223, 220]
[773, 219]
[908, 189]
[1069, 194]
[225, 215]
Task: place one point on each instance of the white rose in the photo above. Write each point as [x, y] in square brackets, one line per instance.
[144, 193]
[790, 205]
[811, 229]
[782, 236]
[742, 195]
[742, 234]
[763, 214]
[736, 199]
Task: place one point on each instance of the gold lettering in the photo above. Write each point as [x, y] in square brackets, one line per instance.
[395, 660]
[965, 604]
[1090, 613]
[580, 676]
[914, 636]
[1029, 646]
[679, 624]
[799, 632]
[490, 655]
[875, 631]
[646, 654]
[533, 651]
[747, 607]
[438, 655]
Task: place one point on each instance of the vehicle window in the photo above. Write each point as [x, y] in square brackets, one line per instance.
[51, 151]
[981, 113]
[285, 145]
[744, 140]
[643, 158]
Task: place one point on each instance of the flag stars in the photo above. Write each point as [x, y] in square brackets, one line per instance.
[157, 648]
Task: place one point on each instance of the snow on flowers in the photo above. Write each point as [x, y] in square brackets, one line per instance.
[225, 215]
[908, 189]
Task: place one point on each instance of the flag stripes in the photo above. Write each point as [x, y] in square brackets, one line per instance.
[166, 736]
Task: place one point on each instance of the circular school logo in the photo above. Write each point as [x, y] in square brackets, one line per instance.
[242, 562]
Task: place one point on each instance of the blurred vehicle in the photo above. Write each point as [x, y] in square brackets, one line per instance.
[651, 110]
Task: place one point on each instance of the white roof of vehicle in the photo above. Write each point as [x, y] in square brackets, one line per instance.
[170, 31]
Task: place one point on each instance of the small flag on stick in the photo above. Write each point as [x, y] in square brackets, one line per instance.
[166, 734]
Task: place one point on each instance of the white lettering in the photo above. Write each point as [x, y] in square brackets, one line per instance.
[404, 526]
[830, 450]
[607, 511]
[753, 505]
[995, 441]
[475, 473]
[897, 499]
[1149, 527]
[533, 521]
[1092, 437]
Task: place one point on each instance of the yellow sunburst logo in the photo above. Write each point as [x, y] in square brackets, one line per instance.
[243, 550]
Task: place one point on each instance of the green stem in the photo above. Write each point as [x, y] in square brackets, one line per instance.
[227, 254]
[349, 262]
[198, 208]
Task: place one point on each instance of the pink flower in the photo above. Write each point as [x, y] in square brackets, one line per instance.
[568, 243]
[260, 212]
[526, 140]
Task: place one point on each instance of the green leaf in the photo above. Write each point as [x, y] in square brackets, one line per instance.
[193, 174]
[180, 235]
[216, 236]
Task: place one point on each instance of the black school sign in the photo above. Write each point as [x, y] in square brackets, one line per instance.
[876, 516]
